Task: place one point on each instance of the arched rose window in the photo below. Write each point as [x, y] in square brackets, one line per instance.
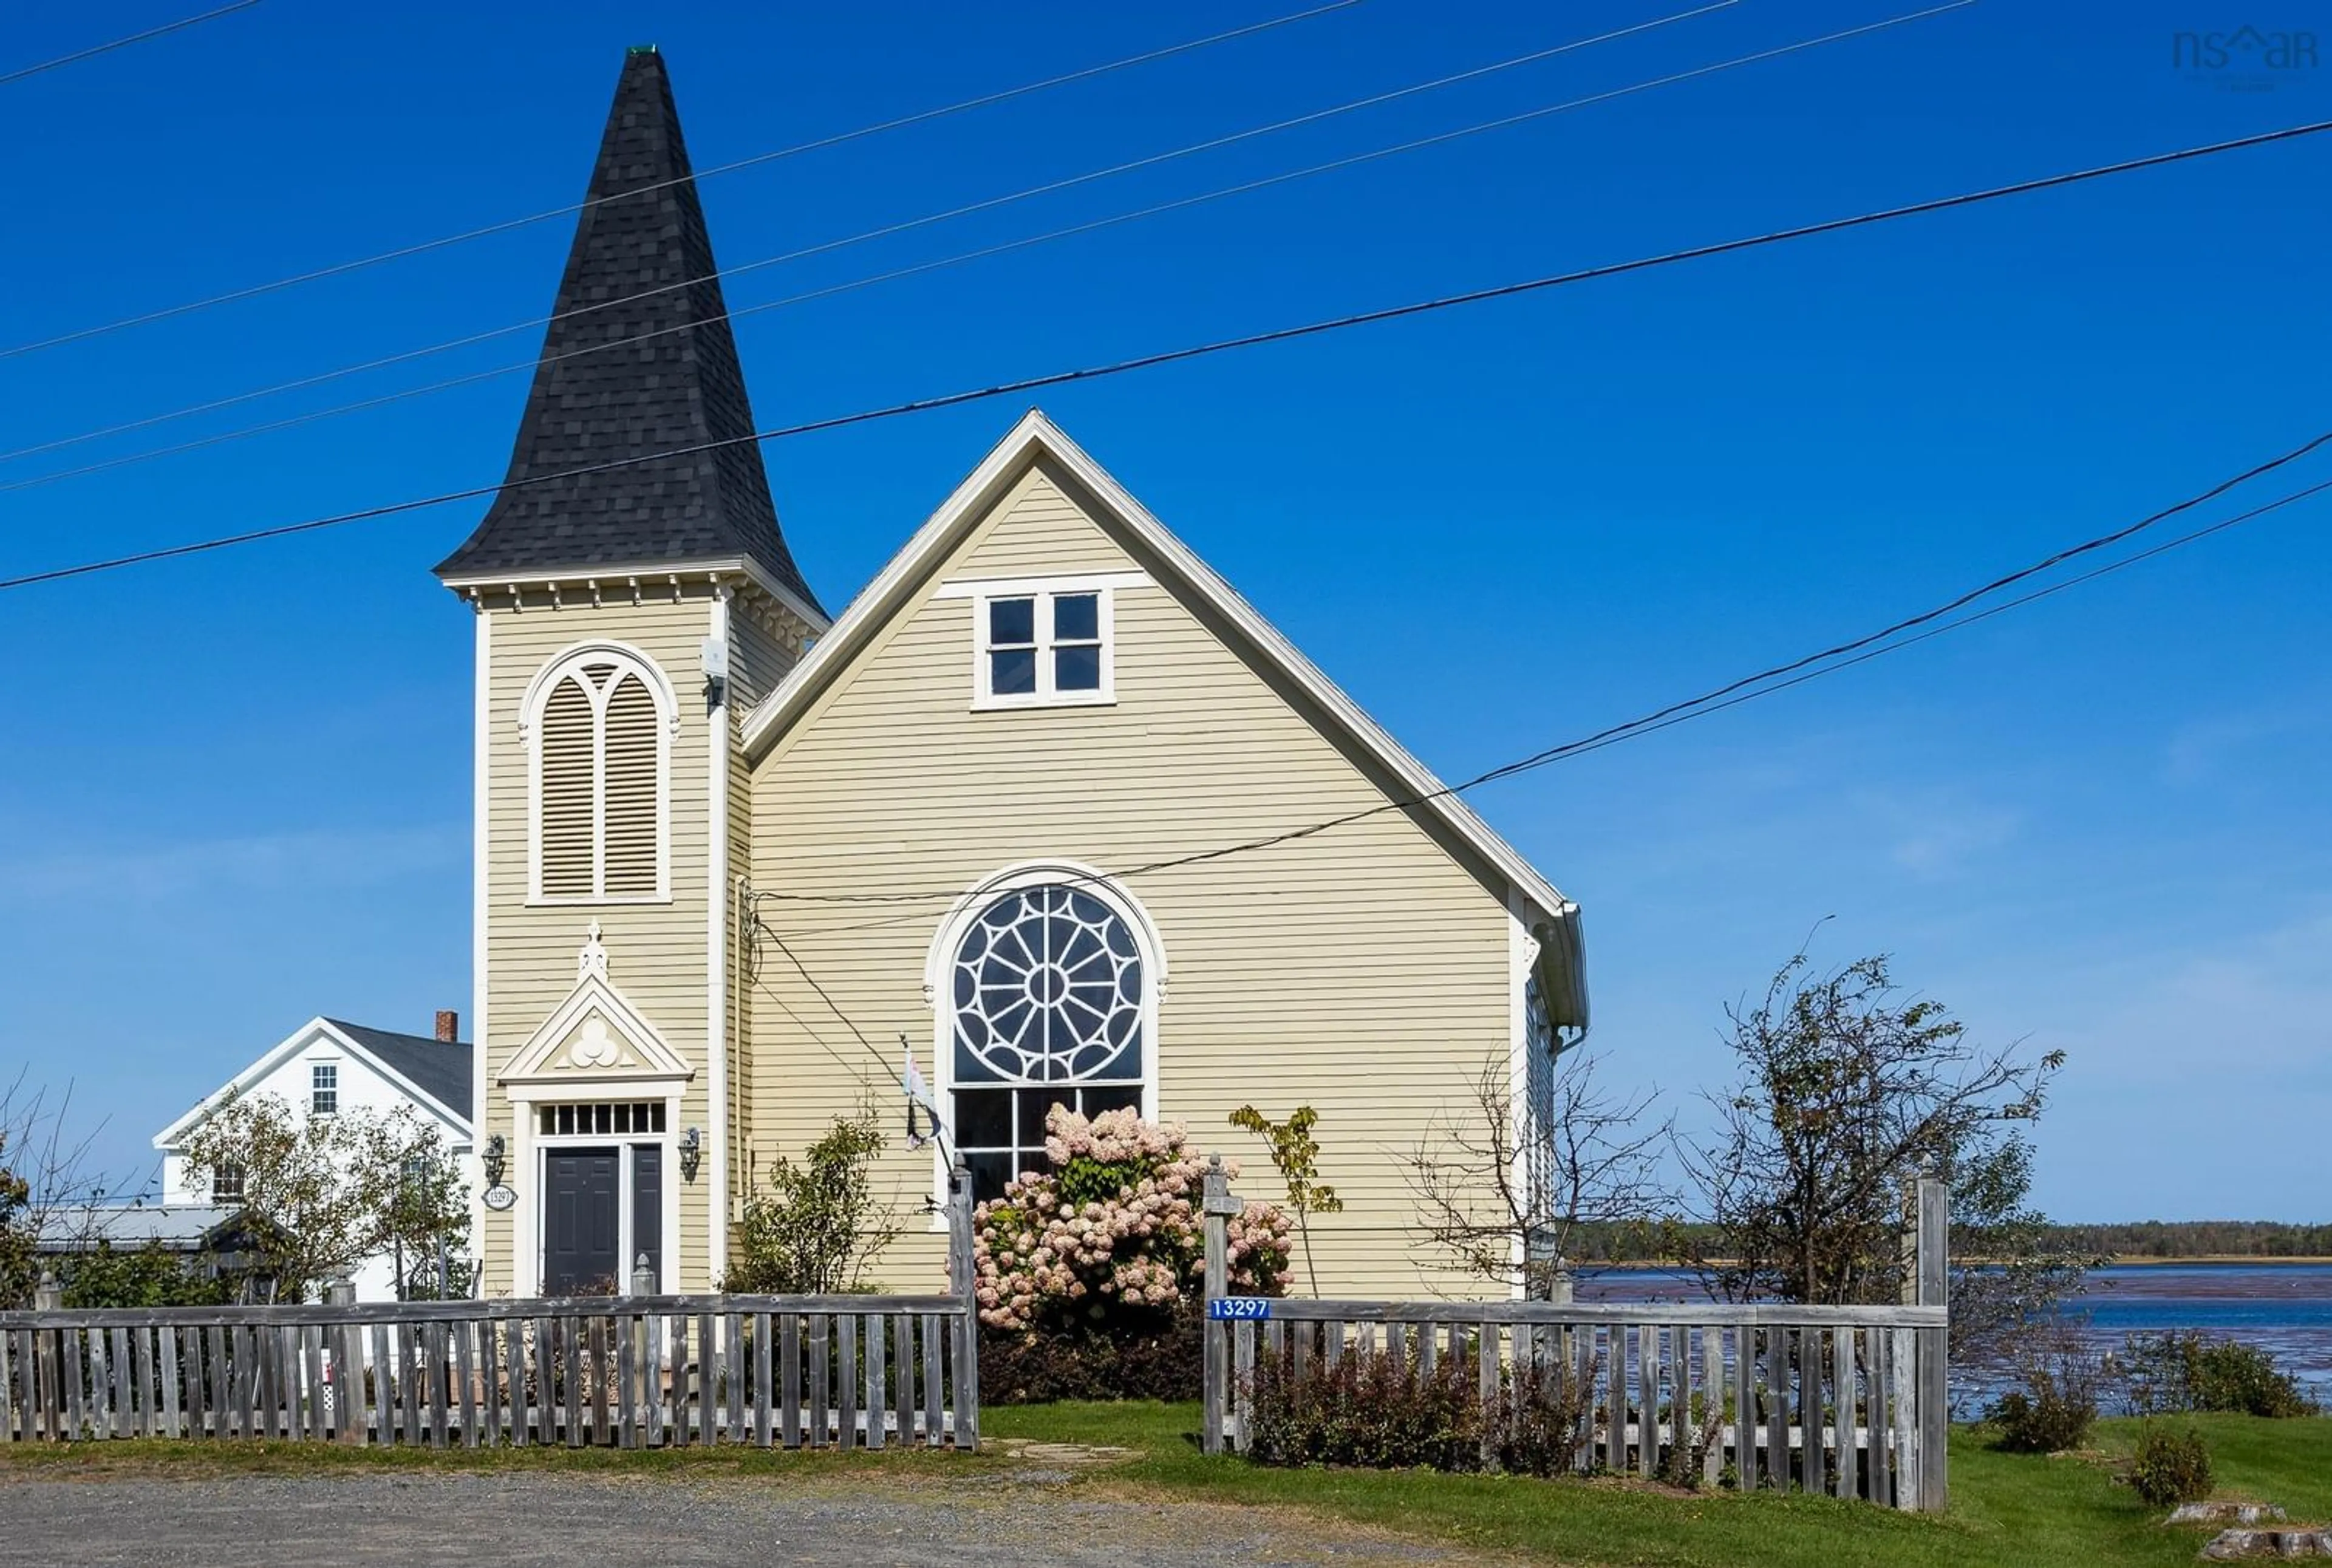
[1047, 992]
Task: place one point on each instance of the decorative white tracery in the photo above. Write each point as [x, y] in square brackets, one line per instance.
[594, 1047]
[1047, 989]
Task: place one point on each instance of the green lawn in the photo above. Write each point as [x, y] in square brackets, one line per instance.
[2011, 1510]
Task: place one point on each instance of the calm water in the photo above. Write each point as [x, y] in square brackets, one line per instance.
[2285, 1307]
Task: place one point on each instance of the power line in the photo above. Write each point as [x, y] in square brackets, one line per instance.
[1656, 717]
[1178, 355]
[180, 25]
[922, 117]
[919, 268]
[1674, 714]
[824, 246]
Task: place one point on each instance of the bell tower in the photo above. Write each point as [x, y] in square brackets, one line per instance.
[634, 598]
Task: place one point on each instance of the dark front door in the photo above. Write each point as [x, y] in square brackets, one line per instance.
[581, 1249]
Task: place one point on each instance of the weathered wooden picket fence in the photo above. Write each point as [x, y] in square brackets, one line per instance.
[628, 1371]
[1846, 1400]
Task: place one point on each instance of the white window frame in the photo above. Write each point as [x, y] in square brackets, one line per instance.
[1043, 591]
[627, 660]
[315, 1088]
[939, 990]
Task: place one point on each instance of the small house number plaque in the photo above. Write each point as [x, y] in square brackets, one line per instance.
[1238, 1308]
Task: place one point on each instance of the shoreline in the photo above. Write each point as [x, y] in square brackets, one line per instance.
[2119, 1260]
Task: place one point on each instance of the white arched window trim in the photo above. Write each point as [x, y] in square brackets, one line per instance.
[939, 992]
[627, 659]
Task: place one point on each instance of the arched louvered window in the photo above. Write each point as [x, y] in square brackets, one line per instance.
[600, 727]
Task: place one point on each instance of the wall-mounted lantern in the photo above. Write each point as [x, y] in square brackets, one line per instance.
[495, 1158]
[691, 1153]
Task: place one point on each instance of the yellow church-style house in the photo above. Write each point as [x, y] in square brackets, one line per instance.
[729, 849]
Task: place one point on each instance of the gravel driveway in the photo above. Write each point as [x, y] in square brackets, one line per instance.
[198, 1520]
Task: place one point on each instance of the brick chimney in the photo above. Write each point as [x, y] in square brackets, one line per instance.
[449, 1026]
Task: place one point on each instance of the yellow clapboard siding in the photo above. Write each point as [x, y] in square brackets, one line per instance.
[1365, 971]
[656, 950]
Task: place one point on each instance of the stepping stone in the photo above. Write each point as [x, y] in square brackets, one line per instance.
[2227, 1514]
[2242, 1545]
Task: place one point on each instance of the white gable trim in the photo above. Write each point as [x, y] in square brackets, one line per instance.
[661, 1066]
[308, 1034]
[1036, 435]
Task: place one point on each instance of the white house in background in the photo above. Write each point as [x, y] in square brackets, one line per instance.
[326, 1067]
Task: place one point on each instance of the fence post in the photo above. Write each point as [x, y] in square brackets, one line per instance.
[347, 1377]
[48, 1295]
[963, 1280]
[1218, 1207]
[1935, 1347]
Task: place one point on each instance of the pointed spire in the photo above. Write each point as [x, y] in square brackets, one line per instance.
[639, 358]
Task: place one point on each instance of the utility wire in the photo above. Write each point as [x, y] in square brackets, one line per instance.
[942, 1134]
[180, 25]
[919, 268]
[1675, 714]
[504, 226]
[1178, 355]
[1710, 701]
[904, 226]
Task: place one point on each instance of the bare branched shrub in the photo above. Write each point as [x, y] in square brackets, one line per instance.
[1503, 1193]
[47, 1185]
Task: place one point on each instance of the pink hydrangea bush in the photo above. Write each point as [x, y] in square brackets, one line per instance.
[1113, 1228]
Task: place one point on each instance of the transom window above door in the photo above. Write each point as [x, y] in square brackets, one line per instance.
[1043, 646]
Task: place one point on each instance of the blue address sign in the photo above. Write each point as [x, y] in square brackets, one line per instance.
[1238, 1308]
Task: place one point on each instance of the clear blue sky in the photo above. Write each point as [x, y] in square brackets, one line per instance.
[235, 789]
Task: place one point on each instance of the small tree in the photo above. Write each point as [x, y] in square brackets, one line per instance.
[43, 1178]
[1296, 1155]
[1849, 1092]
[427, 1226]
[328, 1193]
[821, 1225]
[1503, 1191]
[20, 1265]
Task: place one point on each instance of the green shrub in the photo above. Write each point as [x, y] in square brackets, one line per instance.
[1368, 1412]
[1122, 1358]
[109, 1277]
[2171, 1468]
[2056, 1407]
[1374, 1412]
[821, 1225]
[2186, 1369]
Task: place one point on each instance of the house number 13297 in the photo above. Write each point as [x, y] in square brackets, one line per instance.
[1238, 1308]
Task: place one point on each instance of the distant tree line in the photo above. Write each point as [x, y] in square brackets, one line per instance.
[2201, 1238]
[1637, 1243]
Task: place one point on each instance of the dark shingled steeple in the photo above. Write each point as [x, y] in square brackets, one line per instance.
[641, 269]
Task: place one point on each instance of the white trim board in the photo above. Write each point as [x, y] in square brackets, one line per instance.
[642, 578]
[1036, 437]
